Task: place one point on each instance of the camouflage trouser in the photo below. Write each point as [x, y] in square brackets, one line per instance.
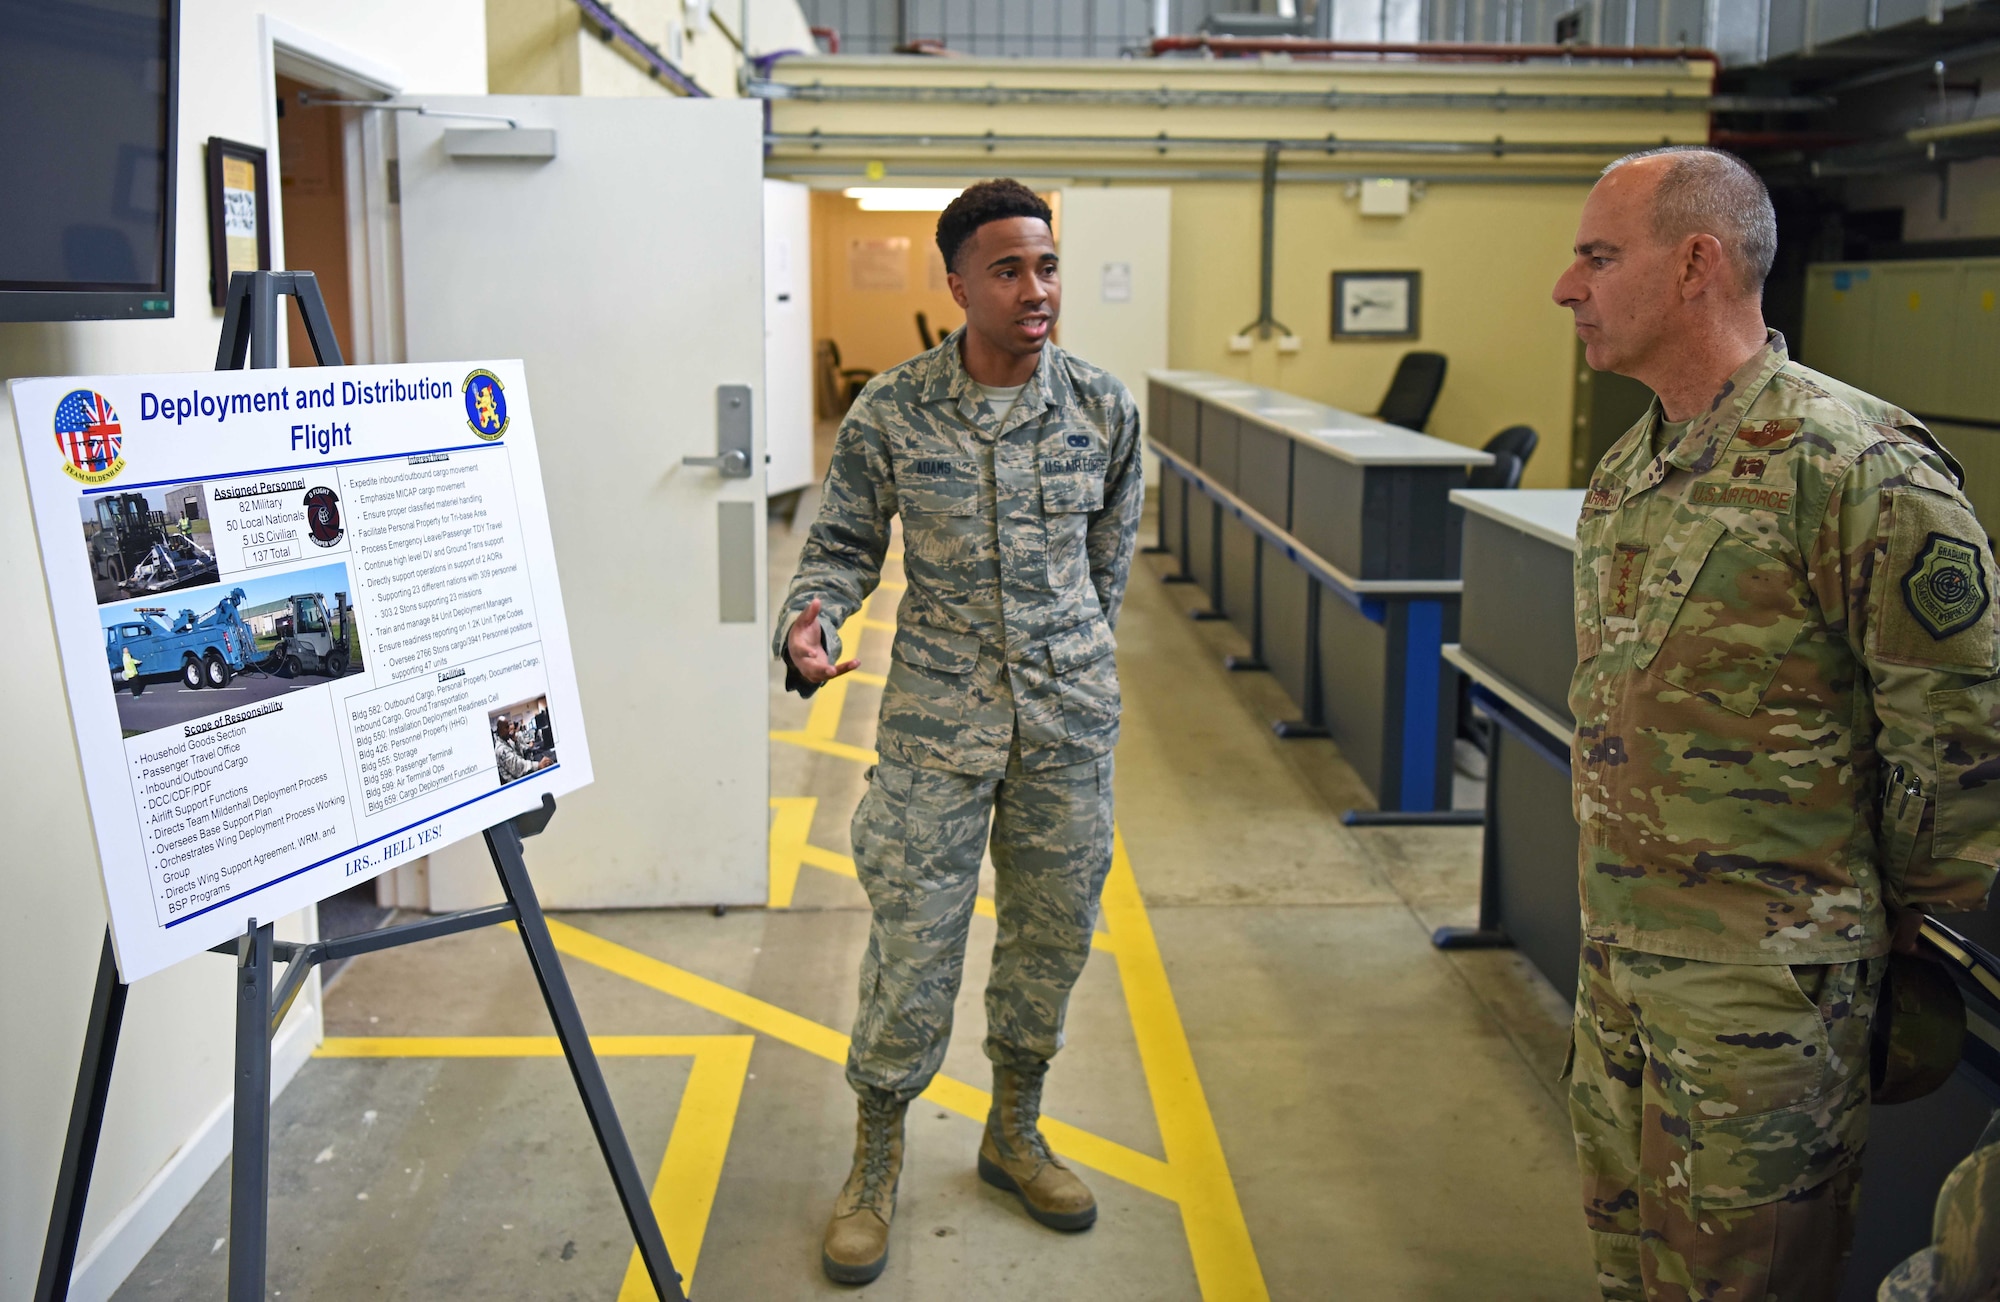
[1720, 1112]
[918, 839]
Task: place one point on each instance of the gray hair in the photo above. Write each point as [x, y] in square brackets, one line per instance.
[1713, 192]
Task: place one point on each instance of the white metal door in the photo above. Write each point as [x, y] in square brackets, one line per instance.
[788, 357]
[1116, 250]
[626, 271]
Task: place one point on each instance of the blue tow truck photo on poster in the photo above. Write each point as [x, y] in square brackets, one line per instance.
[199, 651]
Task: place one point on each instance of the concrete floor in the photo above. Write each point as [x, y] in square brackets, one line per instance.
[1372, 1118]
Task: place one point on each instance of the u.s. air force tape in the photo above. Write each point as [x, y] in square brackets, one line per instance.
[1944, 587]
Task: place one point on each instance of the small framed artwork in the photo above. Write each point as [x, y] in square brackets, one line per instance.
[239, 213]
[1376, 304]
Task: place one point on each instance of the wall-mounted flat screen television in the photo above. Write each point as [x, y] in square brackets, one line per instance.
[88, 90]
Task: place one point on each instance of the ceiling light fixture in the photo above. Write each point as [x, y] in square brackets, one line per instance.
[901, 198]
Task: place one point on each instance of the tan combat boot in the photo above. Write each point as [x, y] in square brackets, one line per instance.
[1014, 1156]
[856, 1247]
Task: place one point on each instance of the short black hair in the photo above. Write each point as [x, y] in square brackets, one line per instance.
[983, 202]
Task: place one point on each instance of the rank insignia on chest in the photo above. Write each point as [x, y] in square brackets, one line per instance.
[1768, 434]
[1944, 588]
[1749, 468]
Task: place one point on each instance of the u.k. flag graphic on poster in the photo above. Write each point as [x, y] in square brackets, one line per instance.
[88, 435]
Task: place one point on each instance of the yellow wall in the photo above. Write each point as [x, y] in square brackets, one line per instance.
[543, 47]
[1488, 251]
[1488, 255]
[875, 328]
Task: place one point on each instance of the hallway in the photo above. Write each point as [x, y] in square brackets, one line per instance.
[1272, 1081]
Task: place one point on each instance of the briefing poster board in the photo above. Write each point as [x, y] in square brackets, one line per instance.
[309, 627]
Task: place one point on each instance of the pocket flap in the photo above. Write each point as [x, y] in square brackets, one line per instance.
[1963, 723]
[1735, 618]
[1080, 645]
[1065, 494]
[937, 648]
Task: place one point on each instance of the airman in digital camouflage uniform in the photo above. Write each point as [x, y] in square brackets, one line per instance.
[1787, 745]
[1015, 469]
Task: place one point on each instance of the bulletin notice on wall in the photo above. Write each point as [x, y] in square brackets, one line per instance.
[309, 629]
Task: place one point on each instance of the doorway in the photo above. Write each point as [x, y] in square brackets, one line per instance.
[312, 186]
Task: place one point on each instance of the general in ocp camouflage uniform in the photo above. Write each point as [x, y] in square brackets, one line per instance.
[1788, 724]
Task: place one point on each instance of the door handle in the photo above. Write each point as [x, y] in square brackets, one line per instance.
[732, 433]
[733, 464]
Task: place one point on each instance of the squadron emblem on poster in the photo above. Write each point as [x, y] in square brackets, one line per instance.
[89, 437]
[485, 405]
[323, 516]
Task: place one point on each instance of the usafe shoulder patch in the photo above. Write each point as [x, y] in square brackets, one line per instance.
[1753, 497]
[1768, 434]
[1944, 588]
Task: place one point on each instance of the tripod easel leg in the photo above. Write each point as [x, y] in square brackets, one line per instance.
[86, 1124]
[250, 1153]
[504, 841]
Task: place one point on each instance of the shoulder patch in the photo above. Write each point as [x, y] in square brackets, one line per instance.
[1768, 434]
[1939, 612]
[1944, 587]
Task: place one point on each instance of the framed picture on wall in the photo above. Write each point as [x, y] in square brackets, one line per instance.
[1377, 304]
[239, 213]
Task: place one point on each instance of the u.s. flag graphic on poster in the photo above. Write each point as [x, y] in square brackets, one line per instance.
[88, 435]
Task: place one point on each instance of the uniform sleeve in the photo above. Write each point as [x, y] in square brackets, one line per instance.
[842, 559]
[1114, 530]
[1904, 569]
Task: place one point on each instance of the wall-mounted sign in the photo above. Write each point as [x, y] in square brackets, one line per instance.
[239, 214]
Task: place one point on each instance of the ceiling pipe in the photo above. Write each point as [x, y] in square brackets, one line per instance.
[989, 141]
[856, 168]
[1500, 101]
[1438, 51]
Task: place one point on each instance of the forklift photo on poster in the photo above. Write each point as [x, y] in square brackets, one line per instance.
[313, 630]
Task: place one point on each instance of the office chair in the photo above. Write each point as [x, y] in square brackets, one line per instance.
[1511, 448]
[1413, 391]
[838, 386]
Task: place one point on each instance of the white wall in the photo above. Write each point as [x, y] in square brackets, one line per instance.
[168, 1108]
[1131, 226]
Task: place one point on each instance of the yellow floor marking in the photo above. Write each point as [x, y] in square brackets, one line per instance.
[879, 625]
[1225, 1261]
[790, 825]
[691, 1170]
[1113, 1159]
[873, 680]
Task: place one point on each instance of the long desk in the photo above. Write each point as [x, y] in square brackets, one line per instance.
[1272, 503]
[1517, 644]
